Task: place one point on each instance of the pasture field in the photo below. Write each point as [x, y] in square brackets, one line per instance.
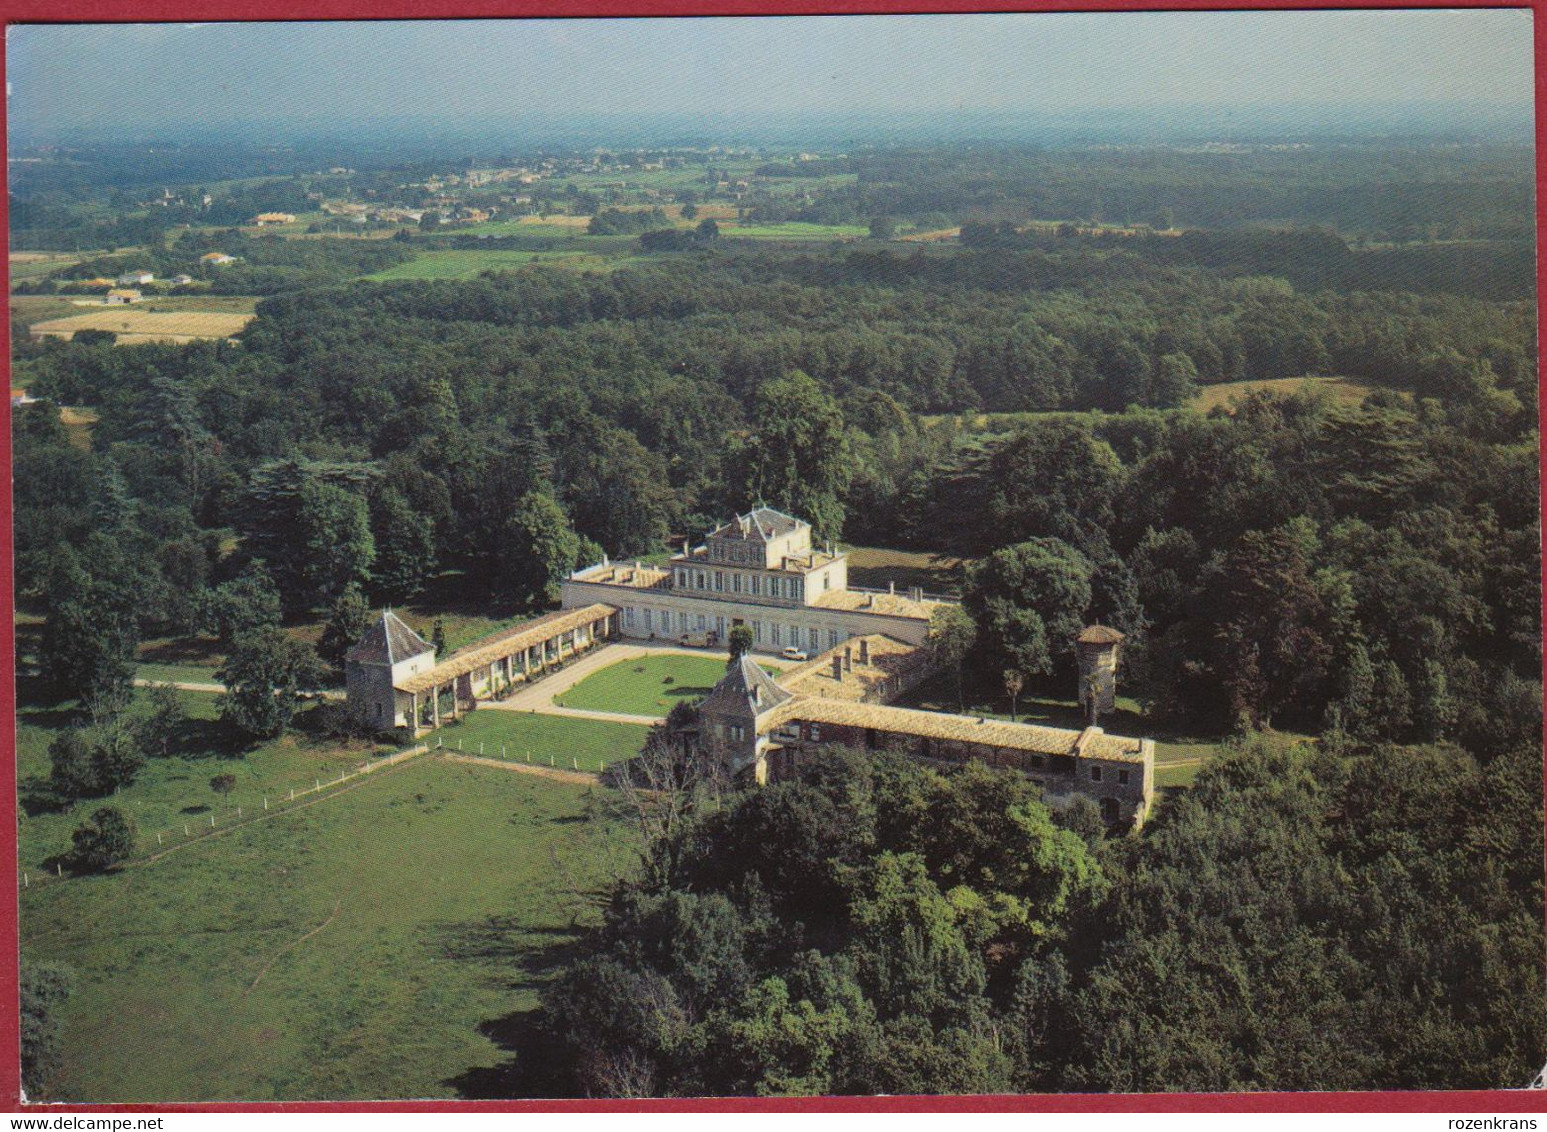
[170, 790]
[794, 230]
[648, 685]
[31, 265]
[468, 264]
[1338, 388]
[373, 945]
[572, 743]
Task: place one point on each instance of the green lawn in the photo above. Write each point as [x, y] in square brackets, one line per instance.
[460, 264]
[794, 230]
[544, 740]
[647, 685]
[169, 791]
[365, 947]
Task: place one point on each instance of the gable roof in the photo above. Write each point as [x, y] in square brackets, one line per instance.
[388, 641]
[507, 642]
[745, 689]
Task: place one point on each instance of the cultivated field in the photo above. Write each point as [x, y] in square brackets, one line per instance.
[375, 944]
[134, 325]
[794, 230]
[469, 263]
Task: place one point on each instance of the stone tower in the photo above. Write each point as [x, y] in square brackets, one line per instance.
[1097, 647]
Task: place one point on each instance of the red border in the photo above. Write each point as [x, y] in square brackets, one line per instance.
[124, 11]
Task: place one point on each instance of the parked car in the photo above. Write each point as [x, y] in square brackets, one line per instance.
[793, 653]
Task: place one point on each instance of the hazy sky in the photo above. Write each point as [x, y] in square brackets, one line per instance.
[150, 77]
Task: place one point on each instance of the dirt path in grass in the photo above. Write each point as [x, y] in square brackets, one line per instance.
[576, 777]
[292, 945]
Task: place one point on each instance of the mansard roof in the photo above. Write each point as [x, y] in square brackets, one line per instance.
[745, 689]
[388, 641]
[761, 523]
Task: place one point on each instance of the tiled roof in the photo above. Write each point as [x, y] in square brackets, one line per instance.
[745, 689]
[1099, 635]
[888, 658]
[891, 605]
[388, 641]
[509, 642]
[960, 729]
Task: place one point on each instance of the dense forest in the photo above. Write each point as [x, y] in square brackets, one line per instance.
[1356, 560]
[1333, 918]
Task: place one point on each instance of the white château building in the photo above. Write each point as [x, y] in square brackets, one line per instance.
[759, 570]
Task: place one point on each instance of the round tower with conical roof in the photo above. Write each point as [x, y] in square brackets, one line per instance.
[1097, 647]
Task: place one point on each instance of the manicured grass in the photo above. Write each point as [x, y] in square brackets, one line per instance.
[544, 740]
[173, 790]
[641, 687]
[361, 948]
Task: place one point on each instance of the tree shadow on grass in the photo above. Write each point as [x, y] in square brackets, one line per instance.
[534, 1068]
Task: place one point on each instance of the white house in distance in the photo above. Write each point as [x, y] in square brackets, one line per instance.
[386, 656]
[216, 259]
[135, 278]
[264, 219]
[759, 570]
[122, 297]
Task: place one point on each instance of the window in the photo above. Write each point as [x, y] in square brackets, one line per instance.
[827, 581]
[1095, 774]
[757, 631]
[832, 638]
[798, 589]
[378, 709]
[814, 731]
[815, 637]
[719, 581]
[1122, 778]
[648, 626]
[701, 622]
[738, 732]
[719, 625]
[735, 583]
[778, 634]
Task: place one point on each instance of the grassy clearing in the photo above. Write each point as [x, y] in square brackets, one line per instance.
[168, 791]
[874, 567]
[795, 230]
[466, 264]
[1338, 388]
[647, 685]
[362, 948]
[545, 740]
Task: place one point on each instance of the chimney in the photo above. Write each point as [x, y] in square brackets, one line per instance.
[838, 668]
[848, 657]
[864, 652]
